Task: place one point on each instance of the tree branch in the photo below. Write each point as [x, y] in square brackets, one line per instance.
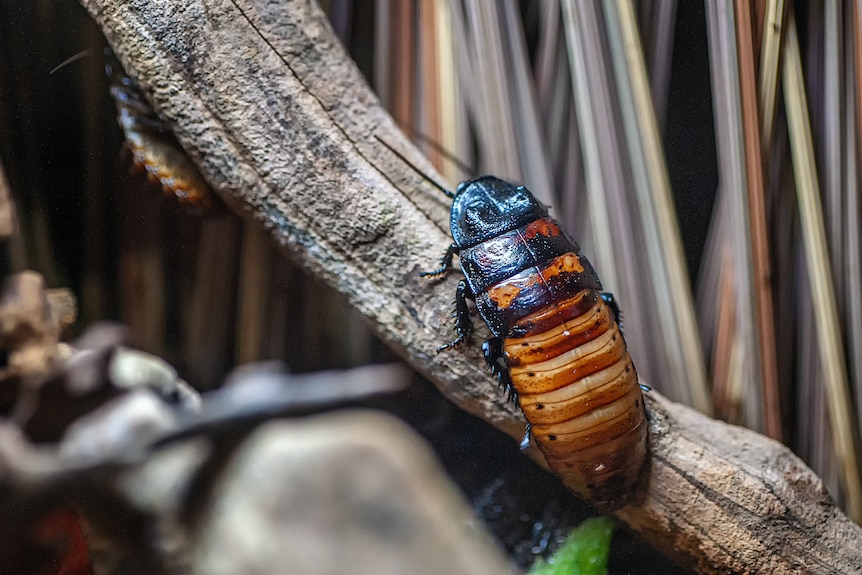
[284, 127]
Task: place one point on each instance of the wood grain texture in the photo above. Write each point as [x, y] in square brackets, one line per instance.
[283, 127]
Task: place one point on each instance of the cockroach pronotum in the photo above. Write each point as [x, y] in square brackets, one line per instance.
[154, 147]
[557, 346]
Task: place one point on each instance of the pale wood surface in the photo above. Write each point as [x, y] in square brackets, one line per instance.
[283, 126]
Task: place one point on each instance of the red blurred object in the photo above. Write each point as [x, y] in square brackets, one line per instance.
[63, 531]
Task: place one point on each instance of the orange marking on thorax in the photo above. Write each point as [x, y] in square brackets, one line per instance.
[542, 227]
[504, 294]
[566, 263]
[506, 291]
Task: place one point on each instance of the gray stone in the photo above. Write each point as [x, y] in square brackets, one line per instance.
[349, 492]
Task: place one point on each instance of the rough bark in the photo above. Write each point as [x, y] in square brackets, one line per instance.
[285, 129]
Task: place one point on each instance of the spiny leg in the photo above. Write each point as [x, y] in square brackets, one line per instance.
[463, 324]
[615, 307]
[492, 349]
[528, 434]
[493, 352]
[445, 263]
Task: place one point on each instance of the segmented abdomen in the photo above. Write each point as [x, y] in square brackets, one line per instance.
[579, 390]
[154, 148]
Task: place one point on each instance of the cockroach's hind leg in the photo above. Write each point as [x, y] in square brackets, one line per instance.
[528, 434]
[615, 307]
[492, 349]
[451, 345]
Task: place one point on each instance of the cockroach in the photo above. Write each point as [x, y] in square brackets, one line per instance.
[557, 348]
[154, 148]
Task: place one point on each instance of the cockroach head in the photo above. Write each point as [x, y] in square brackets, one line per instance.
[487, 207]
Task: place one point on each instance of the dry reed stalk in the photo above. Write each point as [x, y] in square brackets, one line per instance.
[655, 201]
[452, 118]
[608, 232]
[402, 55]
[710, 273]
[757, 12]
[597, 184]
[212, 303]
[810, 375]
[555, 101]
[848, 195]
[141, 264]
[852, 228]
[814, 436]
[629, 261]
[709, 279]
[465, 76]
[660, 53]
[428, 94]
[784, 225]
[530, 140]
[724, 337]
[832, 168]
[8, 219]
[558, 116]
[770, 54]
[546, 72]
[603, 210]
[572, 176]
[500, 95]
[761, 273]
[340, 14]
[253, 299]
[826, 315]
[382, 53]
[489, 95]
[281, 323]
[730, 136]
[99, 208]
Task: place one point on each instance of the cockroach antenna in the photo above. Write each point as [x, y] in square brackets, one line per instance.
[449, 194]
[416, 134]
[69, 60]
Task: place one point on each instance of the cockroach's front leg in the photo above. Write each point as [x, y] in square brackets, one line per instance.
[445, 263]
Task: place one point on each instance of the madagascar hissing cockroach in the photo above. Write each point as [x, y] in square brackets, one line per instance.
[154, 148]
[557, 345]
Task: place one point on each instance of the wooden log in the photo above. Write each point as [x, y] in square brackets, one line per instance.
[286, 130]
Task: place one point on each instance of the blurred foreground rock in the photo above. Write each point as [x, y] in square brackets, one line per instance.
[111, 464]
[353, 492]
[344, 492]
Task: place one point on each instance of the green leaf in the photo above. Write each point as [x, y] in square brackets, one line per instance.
[585, 551]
